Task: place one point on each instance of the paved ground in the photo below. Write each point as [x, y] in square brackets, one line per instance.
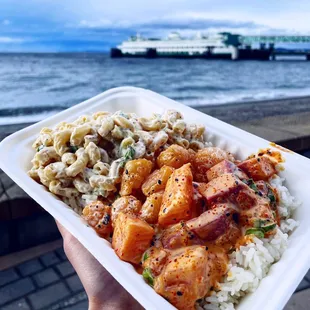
[49, 282]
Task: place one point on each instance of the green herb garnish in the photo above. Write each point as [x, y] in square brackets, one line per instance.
[129, 155]
[73, 148]
[148, 277]
[258, 232]
[40, 148]
[145, 256]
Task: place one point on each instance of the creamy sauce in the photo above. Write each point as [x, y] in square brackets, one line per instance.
[276, 156]
[281, 148]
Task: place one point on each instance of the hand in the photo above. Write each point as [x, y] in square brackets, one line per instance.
[102, 290]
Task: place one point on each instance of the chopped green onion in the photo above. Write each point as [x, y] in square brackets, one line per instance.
[274, 214]
[258, 232]
[148, 277]
[40, 148]
[272, 197]
[264, 225]
[259, 223]
[269, 227]
[73, 148]
[145, 256]
[252, 185]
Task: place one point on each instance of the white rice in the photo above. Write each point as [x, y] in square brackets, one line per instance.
[251, 263]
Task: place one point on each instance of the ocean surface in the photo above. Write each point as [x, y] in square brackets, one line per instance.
[34, 86]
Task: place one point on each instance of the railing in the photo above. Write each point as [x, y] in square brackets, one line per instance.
[274, 39]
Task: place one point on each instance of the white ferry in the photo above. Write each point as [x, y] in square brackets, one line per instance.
[222, 45]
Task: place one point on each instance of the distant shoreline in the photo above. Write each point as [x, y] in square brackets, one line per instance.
[234, 112]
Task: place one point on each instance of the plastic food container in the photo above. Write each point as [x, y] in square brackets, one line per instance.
[284, 276]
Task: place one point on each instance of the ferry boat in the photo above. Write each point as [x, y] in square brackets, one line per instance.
[222, 45]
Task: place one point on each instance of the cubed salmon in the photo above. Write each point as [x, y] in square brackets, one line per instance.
[177, 236]
[228, 188]
[157, 180]
[213, 223]
[98, 216]
[223, 167]
[150, 208]
[178, 197]
[258, 168]
[131, 237]
[206, 159]
[189, 274]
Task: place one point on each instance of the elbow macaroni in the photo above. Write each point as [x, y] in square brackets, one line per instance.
[83, 160]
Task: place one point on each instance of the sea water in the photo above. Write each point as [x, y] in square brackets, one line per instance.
[34, 86]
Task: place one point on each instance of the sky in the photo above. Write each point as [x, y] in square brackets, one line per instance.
[97, 25]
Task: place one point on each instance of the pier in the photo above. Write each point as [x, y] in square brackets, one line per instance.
[223, 45]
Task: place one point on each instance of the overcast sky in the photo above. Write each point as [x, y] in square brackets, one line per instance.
[76, 25]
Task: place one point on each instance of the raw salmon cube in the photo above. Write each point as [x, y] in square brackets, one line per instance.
[178, 197]
[258, 168]
[131, 238]
[223, 167]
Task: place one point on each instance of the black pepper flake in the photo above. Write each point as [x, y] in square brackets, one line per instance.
[258, 159]
[126, 171]
[260, 194]
[195, 185]
[176, 179]
[106, 219]
[236, 182]
[191, 236]
[159, 182]
[179, 293]
[235, 217]
[207, 248]
[164, 211]
[227, 214]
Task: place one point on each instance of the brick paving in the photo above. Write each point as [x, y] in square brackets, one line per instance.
[49, 282]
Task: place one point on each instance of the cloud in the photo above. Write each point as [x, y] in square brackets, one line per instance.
[7, 40]
[6, 22]
[186, 23]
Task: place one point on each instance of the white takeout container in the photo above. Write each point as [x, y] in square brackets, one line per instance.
[284, 276]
